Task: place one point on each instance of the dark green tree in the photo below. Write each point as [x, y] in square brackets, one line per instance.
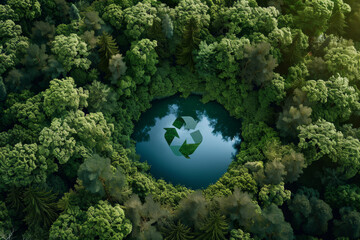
[40, 207]
[177, 231]
[107, 49]
[190, 41]
[215, 227]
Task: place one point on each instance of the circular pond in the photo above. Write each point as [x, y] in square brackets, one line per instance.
[187, 142]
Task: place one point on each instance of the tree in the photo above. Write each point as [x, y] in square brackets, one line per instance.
[271, 224]
[239, 208]
[190, 41]
[62, 96]
[343, 195]
[12, 45]
[337, 23]
[76, 135]
[245, 17]
[138, 20]
[114, 15]
[342, 58]
[177, 231]
[40, 207]
[214, 228]
[98, 177]
[258, 64]
[104, 221]
[6, 226]
[70, 51]
[192, 210]
[238, 234]
[332, 100]
[349, 225]
[295, 113]
[117, 67]
[310, 214]
[107, 49]
[25, 9]
[102, 98]
[2, 90]
[313, 16]
[143, 59]
[68, 225]
[321, 139]
[144, 217]
[22, 165]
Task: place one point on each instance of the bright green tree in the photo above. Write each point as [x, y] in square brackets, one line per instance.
[104, 221]
[62, 96]
[22, 165]
[71, 51]
[139, 19]
[143, 59]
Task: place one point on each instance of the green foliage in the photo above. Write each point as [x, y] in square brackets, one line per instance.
[177, 231]
[310, 214]
[22, 165]
[71, 51]
[272, 225]
[144, 216]
[275, 194]
[68, 225]
[102, 98]
[40, 207]
[343, 58]
[239, 208]
[98, 177]
[73, 131]
[28, 9]
[12, 45]
[337, 23]
[238, 234]
[343, 195]
[349, 225]
[321, 139]
[215, 228]
[138, 19]
[143, 59]
[107, 49]
[332, 100]
[114, 15]
[62, 96]
[190, 41]
[6, 226]
[104, 221]
[117, 67]
[312, 16]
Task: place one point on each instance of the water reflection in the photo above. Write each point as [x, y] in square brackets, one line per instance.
[211, 158]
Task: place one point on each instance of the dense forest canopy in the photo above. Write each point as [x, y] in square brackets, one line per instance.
[75, 76]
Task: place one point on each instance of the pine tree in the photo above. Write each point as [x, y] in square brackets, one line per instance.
[40, 207]
[189, 43]
[177, 231]
[337, 22]
[107, 49]
[214, 228]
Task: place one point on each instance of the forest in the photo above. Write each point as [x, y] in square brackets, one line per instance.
[75, 76]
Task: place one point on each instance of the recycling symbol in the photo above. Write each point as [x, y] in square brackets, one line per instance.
[185, 149]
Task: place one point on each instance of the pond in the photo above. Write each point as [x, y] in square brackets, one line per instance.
[187, 142]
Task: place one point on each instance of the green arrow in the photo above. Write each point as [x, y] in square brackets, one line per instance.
[188, 149]
[170, 134]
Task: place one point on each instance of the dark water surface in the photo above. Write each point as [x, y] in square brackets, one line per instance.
[211, 158]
